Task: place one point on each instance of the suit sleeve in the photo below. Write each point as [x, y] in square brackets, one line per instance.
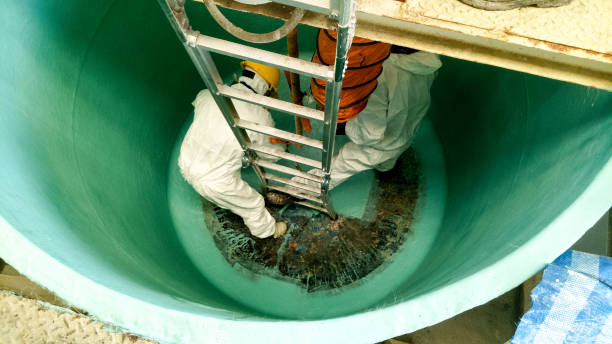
[369, 127]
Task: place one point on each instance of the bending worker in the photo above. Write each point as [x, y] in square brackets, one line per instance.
[387, 125]
[211, 158]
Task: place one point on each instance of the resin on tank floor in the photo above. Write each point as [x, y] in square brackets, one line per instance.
[318, 253]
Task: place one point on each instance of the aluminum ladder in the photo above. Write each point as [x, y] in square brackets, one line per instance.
[200, 46]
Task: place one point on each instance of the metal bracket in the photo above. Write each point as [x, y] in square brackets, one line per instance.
[248, 158]
[326, 181]
[246, 161]
[191, 38]
[334, 9]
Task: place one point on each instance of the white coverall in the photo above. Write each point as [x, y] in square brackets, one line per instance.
[387, 125]
[211, 158]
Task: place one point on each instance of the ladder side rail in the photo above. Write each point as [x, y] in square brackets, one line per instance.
[332, 93]
[332, 97]
[175, 12]
[333, 89]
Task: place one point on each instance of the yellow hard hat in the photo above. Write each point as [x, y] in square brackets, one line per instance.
[270, 74]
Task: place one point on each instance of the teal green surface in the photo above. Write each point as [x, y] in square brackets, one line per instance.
[94, 100]
[86, 136]
[288, 300]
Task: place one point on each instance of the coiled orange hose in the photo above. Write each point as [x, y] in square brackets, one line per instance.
[365, 59]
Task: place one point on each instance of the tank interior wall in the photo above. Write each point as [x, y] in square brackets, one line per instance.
[93, 96]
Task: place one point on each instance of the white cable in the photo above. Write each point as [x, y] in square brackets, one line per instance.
[235, 31]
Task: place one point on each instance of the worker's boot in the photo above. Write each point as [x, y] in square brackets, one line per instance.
[501, 5]
[280, 229]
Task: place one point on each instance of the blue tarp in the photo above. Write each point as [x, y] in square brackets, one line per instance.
[572, 304]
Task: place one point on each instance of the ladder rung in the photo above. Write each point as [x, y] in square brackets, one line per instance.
[286, 156]
[285, 135]
[288, 170]
[314, 206]
[294, 192]
[309, 188]
[266, 57]
[272, 103]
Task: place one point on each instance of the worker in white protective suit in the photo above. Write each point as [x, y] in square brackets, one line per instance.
[211, 158]
[388, 124]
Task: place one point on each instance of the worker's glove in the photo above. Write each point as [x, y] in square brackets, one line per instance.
[280, 228]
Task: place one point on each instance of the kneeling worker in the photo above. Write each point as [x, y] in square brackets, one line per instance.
[389, 122]
[211, 158]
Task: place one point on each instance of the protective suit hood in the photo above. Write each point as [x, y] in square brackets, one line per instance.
[257, 83]
[421, 62]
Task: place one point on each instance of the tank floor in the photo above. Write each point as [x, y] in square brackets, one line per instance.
[318, 253]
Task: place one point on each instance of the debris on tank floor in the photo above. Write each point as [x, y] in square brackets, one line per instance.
[318, 253]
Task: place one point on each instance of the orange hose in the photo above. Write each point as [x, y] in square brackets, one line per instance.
[365, 59]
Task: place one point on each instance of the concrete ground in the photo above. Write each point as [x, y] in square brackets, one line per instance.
[30, 314]
[491, 323]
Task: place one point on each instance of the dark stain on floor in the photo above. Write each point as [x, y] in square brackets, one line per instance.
[318, 253]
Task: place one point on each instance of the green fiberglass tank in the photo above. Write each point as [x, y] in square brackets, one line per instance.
[94, 99]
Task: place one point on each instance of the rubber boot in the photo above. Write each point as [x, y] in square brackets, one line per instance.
[502, 5]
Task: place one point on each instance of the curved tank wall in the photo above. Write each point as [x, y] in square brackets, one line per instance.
[94, 98]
